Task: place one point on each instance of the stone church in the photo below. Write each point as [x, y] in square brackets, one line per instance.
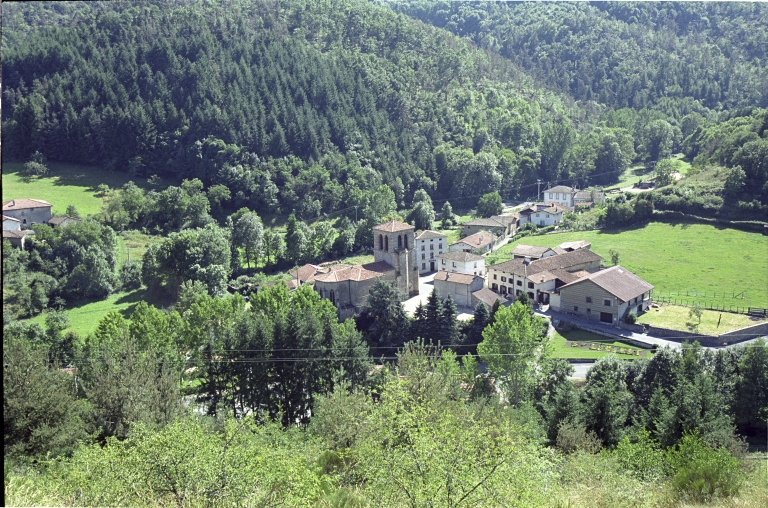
[394, 253]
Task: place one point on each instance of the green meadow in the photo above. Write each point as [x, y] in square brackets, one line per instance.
[561, 350]
[695, 262]
[84, 318]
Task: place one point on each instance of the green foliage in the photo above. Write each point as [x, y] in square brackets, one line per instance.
[751, 388]
[389, 323]
[191, 463]
[489, 204]
[41, 416]
[631, 318]
[701, 473]
[606, 400]
[643, 458]
[511, 348]
[572, 437]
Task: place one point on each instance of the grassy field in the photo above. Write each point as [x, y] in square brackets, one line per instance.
[560, 350]
[84, 318]
[707, 263]
[675, 317]
[66, 184]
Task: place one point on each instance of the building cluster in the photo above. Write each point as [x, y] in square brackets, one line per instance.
[20, 216]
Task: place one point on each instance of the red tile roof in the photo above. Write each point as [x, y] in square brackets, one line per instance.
[458, 278]
[357, 272]
[618, 281]
[17, 204]
[479, 239]
[393, 226]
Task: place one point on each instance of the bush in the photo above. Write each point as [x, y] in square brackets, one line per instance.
[644, 459]
[702, 473]
[573, 436]
[631, 318]
[130, 276]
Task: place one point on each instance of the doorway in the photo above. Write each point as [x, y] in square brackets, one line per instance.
[431, 266]
[606, 317]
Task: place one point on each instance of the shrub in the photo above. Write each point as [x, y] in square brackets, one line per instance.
[702, 473]
[631, 318]
[644, 459]
[573, 436]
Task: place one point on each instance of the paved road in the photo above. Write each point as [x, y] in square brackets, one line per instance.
[580, 370]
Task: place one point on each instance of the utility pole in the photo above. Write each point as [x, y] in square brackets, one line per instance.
[538, 189]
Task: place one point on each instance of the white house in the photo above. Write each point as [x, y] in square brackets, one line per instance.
[461, 262]
[543, 214]
[481, 241]
[560, 194]
[11, 223]
[429, 245]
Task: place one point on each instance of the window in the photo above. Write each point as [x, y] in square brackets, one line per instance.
[406, 241]
[454, 264]
[423, 256]
[431, 247]
[423, 266]
[422, 247]
[530, 285]
[503, 279]
[575, 308]
[443, 261]
[399, 241]
[519, 283]
[494, 286]
[547, 216]
[518, 293]
[589, 311]
[589, 299]
[494, 276]
[607, 303]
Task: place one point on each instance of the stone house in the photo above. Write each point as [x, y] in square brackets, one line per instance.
[459, 285]
[482, 241]
[541, 277]
[488, 297]
[394, 255]
[15, 236]
[462, 262]
[588, 198]
[28, 211]
[606, 296]
[429, 244]
[62, 221]
[500, 225]
[560, 194]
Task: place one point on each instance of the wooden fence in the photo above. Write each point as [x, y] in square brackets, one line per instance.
[721, 307]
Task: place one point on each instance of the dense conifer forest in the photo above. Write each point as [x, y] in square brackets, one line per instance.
[329, 117]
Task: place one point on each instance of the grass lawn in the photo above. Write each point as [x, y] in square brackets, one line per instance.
[560, 350]
[66, 184]
[709, 263]
[83, 319]
[675, 317]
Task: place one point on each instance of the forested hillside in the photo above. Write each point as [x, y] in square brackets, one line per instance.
[673, 56]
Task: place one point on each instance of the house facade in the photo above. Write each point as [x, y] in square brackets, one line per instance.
[588, 198]
[541, 277]
[606, 296]
[459, 285]
[28, 211]
[11, 223]
[560, 194]
[15, 237]
[429, 245]
[543, 214]
[482, 241]
[462, 262]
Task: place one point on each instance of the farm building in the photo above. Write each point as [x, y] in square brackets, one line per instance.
[28, 211]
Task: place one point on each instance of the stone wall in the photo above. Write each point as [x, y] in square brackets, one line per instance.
[746, 333]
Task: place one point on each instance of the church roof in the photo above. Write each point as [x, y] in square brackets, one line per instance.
[356, 272]
[393, 226]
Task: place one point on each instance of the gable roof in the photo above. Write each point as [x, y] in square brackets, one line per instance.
[16, 233]
[393, 226]
[578, 244]
[462, 256]
[428, 233]
[552, 264]
[487, 222]
[58, 221]
[356, 272]
[457, 278]
[560, 188]
[306, 273]
[618, 281]
[479, 239]
[18, 204]
[488, 296]
[531, 251]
